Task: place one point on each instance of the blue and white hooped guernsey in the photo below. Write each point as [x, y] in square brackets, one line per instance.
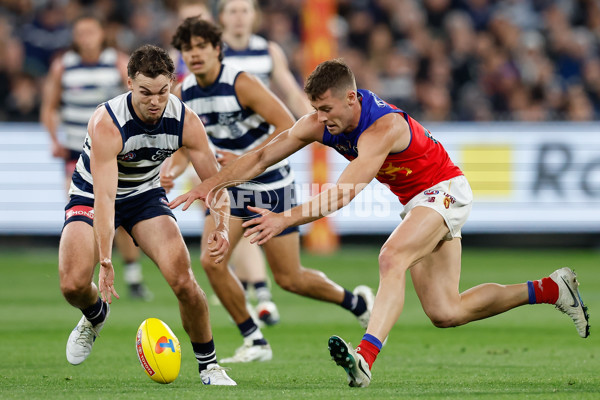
[145, 147]
[231, 127]
[84, 86]
[254, 59]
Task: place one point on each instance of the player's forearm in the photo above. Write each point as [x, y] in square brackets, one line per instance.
[50, 120]
[322, 205]
[176, 164]
[244, 168]
[104, 229]
[298, 103]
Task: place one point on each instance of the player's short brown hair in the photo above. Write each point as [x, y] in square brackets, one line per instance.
[332, 74]
[151, 61]
[196, 26]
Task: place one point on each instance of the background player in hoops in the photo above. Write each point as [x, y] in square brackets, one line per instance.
[265, 59]
[385, 143]
[240, 114]
[116, 183]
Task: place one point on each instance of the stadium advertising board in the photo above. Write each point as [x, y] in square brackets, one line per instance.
[525, 178]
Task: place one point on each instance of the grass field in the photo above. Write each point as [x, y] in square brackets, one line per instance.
[532, 352]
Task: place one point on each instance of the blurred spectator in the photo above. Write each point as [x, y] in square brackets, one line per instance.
[591, 82]
[23, 102]
[578, 106]
[43, 36]
[525, 60]
[398, 78]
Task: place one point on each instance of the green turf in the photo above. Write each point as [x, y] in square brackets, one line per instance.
[532, 352]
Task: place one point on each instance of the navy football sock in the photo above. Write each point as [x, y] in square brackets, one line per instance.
[96, 313]
[354, 303]
[205, 354]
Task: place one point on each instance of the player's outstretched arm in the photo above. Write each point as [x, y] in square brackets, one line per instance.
[106, 145]
[252, 163]
[375, 144]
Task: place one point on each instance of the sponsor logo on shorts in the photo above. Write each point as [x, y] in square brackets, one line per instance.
[83, 211]
[164, 200]
[431, 199]
[430, 192]
[448, 199]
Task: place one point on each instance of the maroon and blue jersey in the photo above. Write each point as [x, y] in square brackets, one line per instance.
[423, 164]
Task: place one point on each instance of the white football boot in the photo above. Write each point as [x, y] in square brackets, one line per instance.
[267, 312]
[249, 352]
[216, 375]
[357, 369]
[81, 339]
[367, 294]
[569, 300]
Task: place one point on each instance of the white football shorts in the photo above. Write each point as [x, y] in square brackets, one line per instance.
[452, 199]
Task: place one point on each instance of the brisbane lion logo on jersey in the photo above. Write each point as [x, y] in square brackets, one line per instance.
[390, 172]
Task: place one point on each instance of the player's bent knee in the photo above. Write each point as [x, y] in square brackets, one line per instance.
[184, 287]
[447, 323]
[443, 320]
[288, 282]
[209, 265]
[72, 289]
[390, 259]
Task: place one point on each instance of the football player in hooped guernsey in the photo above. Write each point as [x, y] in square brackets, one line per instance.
[79, 80]
[116, 183]
[241, 114]
[383, 142]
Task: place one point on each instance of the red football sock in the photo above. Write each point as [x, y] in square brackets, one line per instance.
[369, 352]
[546, 291]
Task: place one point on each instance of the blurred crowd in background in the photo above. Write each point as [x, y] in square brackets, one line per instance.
[440, 60]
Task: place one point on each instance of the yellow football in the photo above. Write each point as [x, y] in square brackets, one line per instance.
[158, 350]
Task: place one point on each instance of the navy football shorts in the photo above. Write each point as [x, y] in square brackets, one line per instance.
[276, 200]
[128, 212]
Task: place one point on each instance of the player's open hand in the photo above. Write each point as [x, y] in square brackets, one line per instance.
[106, 281]
[218, 244]
[268, 225]
[199, 192]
